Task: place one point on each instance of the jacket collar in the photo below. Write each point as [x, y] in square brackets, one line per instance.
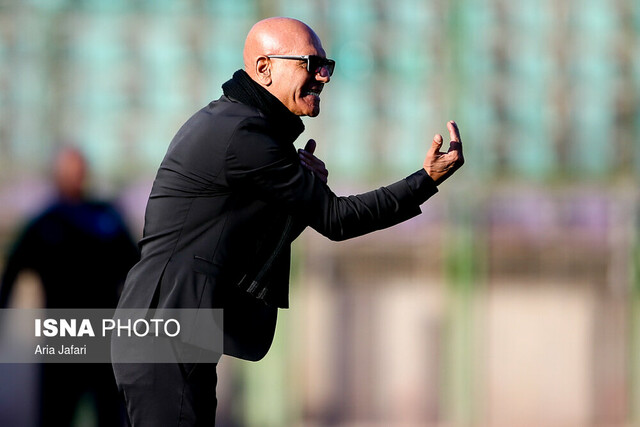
[242, 88]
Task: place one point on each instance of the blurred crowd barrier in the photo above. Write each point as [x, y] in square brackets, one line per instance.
[541, 89]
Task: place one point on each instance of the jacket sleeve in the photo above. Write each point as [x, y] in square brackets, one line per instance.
[271, 171]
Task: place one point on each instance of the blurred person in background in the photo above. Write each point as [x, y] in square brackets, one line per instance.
[81, 250]
[228, 200]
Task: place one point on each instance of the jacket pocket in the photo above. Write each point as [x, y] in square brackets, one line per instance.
[204, 266]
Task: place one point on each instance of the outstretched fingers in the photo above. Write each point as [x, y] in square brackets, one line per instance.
[454, 133]
[435, 145]
[441, 165]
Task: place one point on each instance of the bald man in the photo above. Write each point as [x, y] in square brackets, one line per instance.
[230, 196]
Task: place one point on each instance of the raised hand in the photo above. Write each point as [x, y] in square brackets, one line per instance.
[439, 165]
[313, 163]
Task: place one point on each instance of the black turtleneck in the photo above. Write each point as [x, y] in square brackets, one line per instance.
[245, 90]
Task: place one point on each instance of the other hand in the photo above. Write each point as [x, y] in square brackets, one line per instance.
[439, 165]
[313, 163]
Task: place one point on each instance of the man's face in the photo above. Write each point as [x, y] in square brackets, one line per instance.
[70, 174]
[298, 89]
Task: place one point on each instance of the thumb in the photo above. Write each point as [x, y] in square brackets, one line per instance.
[436, 144]
[310, 147]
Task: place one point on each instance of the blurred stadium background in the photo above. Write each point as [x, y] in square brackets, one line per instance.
[512, 301]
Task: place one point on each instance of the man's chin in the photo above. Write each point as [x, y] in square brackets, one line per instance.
[309, 113]
[311, 106]
[307, 109]
[313, 110]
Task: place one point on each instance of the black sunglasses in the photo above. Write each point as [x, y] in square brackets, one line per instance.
[315, 63]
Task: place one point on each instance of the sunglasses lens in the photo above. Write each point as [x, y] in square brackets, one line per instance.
[331, 64]
[316, 64]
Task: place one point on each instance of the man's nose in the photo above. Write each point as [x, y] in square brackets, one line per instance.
[323, 75]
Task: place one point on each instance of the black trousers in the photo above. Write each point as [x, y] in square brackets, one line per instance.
[168, 394]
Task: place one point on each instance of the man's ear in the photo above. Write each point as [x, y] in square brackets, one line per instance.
[263, 71]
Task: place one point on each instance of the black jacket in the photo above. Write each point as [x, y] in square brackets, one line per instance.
[229, 198]
[81, 251]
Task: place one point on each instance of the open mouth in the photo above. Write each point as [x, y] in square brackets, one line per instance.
[313, 91]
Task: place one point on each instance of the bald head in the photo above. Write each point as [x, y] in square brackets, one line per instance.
[276, 36]
[288, 79]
